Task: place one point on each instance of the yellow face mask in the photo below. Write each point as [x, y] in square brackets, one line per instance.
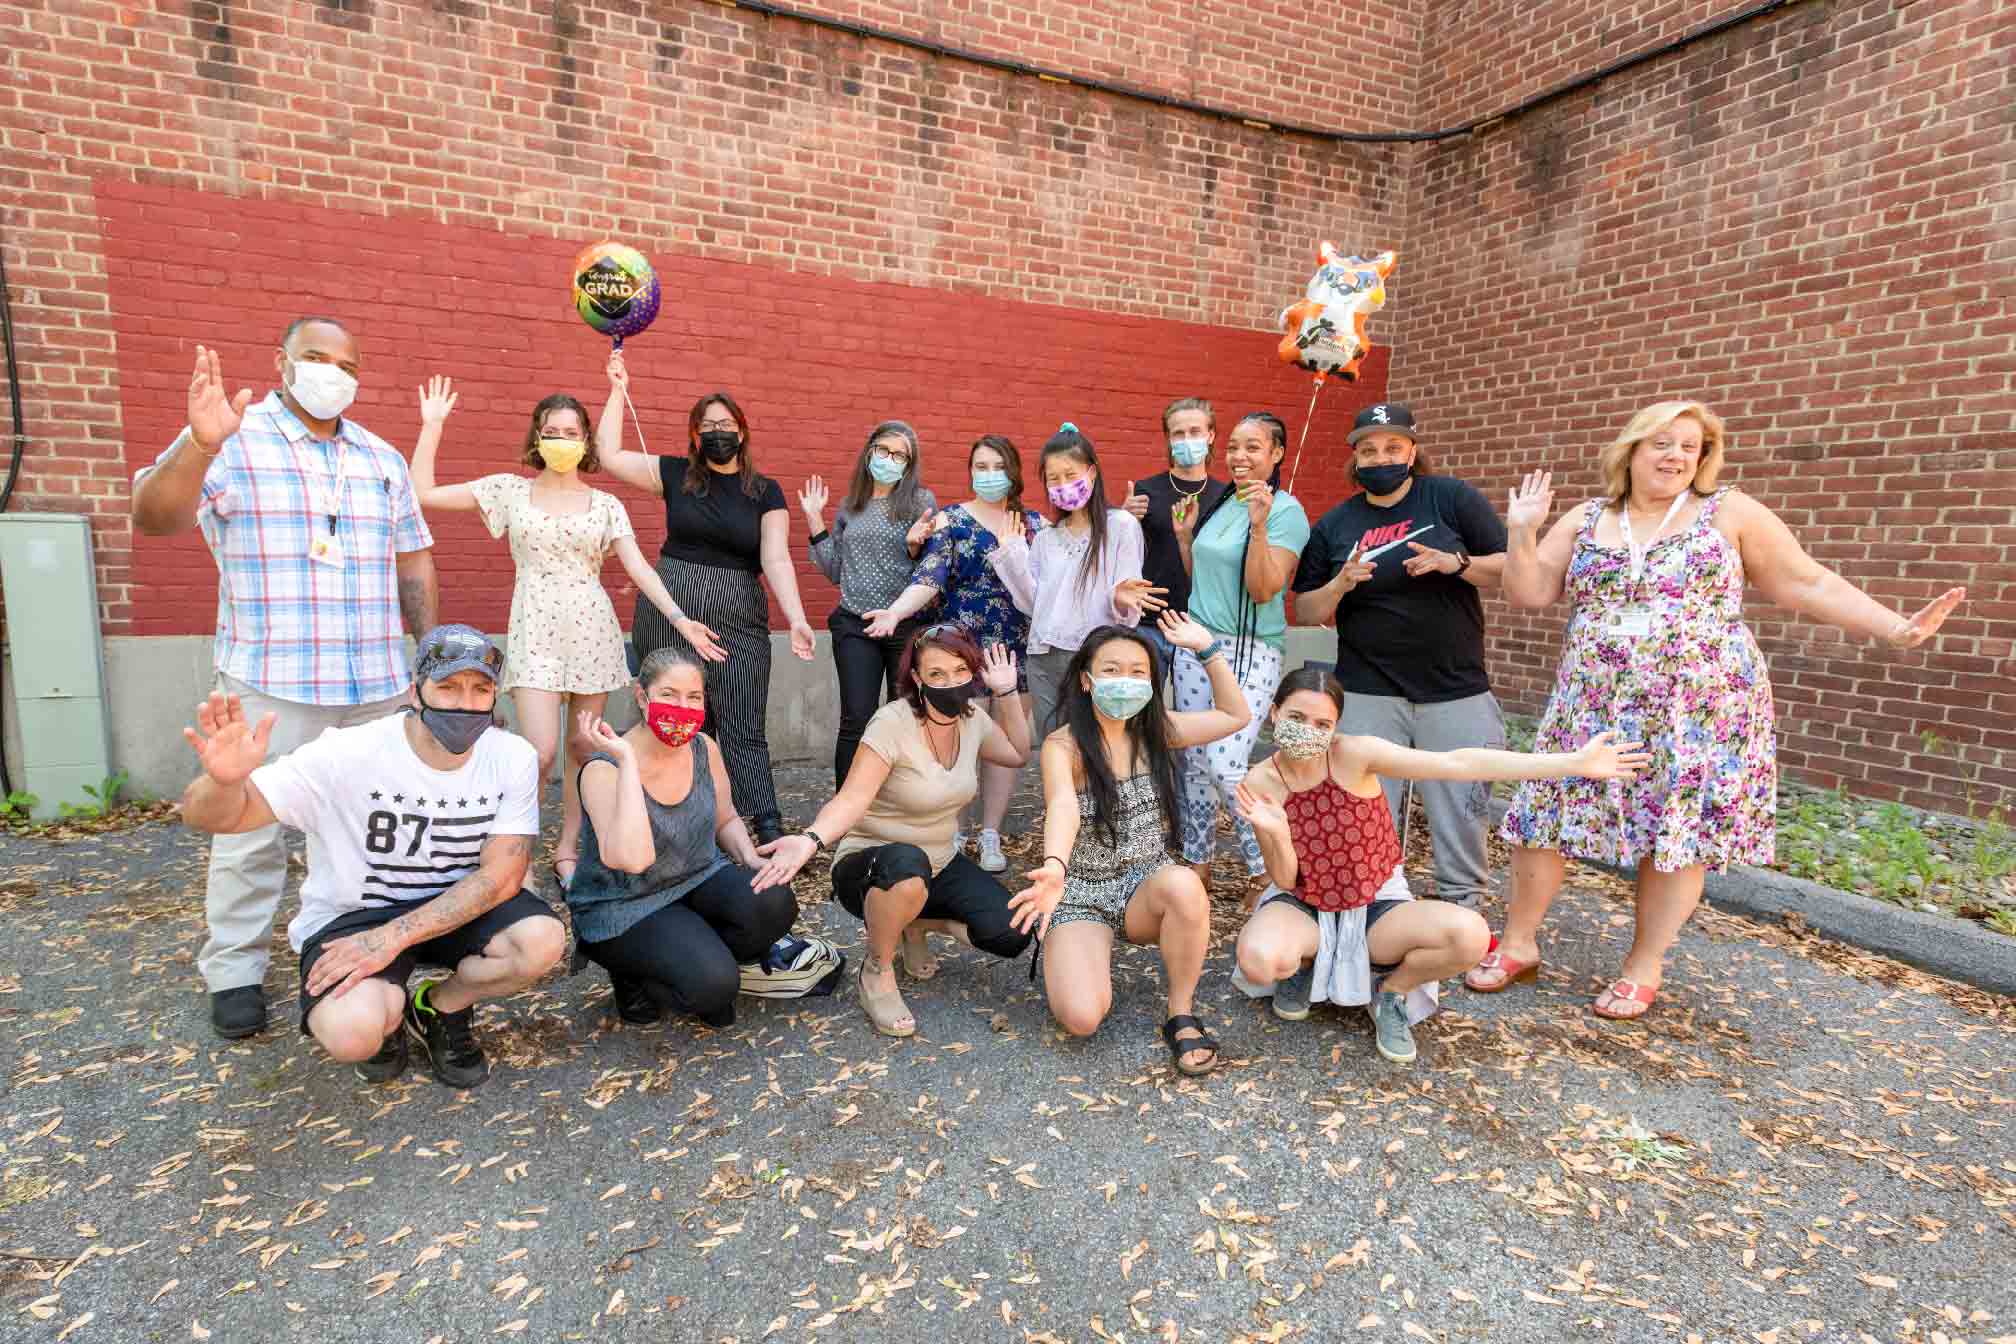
[562, 454]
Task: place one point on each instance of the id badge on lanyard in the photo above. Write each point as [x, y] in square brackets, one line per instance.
[325, 505]
[1634, 620]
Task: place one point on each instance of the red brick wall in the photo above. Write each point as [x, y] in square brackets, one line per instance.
[1809, 223]
[854, 229]
[814, 361]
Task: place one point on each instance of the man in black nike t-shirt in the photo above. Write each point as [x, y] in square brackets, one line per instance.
[1398, 568]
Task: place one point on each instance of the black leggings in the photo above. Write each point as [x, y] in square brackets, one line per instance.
[962, 891]
[865, 666]
[688, 955]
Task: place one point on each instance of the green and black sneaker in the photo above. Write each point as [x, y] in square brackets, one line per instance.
[448, 1038]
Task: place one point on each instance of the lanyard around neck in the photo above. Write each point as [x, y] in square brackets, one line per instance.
[1633, 550]
[325, 499]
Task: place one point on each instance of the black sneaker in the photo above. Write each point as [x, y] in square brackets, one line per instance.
[448, 1038]
[634, 1003]
[237, 1013]
[388, 1063]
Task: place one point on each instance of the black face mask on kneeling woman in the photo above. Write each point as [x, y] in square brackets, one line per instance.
[951, 701]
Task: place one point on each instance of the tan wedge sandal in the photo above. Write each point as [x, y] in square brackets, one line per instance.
[885, 1008]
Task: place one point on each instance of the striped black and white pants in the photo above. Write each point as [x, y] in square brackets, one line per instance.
[731, 603]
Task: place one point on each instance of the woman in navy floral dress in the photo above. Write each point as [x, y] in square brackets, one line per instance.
[956, 571]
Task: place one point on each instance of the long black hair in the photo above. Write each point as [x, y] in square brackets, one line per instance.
[1147, 738]
[1243, 638]
[903, 505]
[1069, 441]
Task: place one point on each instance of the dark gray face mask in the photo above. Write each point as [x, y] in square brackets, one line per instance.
[455, 729]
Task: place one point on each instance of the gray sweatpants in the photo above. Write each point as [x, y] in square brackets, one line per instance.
[1459, 811]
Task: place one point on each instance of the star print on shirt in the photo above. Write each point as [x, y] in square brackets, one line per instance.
[398, 797]
[440, 802]
[461, 802]
[481, 800]
[376, 794]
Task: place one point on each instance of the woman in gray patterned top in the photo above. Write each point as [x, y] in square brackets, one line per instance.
[882, 524]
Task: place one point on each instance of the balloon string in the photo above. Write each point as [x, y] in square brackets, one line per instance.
[635, 421]
[1308, 417]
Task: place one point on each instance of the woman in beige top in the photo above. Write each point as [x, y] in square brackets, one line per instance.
[895, 865]
[564, 637]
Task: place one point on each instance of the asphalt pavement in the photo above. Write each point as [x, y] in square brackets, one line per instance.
[1801, 1142]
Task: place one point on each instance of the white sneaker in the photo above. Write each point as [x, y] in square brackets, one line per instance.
[958, 842]
[991, 859]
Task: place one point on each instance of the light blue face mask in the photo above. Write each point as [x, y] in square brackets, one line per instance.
[991, 485]
[885, 469]
[1121, 697]
[1189, 452]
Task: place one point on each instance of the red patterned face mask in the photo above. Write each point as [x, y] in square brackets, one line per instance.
[674, 724]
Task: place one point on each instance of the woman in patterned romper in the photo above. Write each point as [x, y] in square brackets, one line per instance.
[1110, 820]
[565, 641]
[1657, 652]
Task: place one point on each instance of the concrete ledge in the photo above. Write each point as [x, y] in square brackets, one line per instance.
[1943, 945]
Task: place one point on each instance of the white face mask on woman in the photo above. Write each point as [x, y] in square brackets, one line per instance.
[322, 390]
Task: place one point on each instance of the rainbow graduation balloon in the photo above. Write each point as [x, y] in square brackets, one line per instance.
[615, 289]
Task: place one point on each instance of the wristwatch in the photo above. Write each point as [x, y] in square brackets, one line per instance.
[1462, 559]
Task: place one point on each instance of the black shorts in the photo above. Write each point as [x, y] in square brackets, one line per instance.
[445, 949]
[963, 892]
[1373, 914]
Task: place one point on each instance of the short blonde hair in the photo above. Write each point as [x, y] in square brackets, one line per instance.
[1614, 466]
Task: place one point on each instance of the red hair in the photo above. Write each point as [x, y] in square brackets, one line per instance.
[950, 638]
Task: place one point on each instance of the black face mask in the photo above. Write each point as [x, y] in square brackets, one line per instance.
[951, 701]
[720, 446]
[455, 729]
[1384, 479]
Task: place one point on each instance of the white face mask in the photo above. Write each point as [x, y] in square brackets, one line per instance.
[323, 390]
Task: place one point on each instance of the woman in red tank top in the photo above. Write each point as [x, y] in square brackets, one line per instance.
[1334, 859]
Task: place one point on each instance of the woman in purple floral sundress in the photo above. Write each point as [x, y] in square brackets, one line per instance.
[1657, 652]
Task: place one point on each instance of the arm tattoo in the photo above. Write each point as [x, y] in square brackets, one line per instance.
[480, 891]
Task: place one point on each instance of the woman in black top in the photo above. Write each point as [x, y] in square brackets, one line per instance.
[726, 530]
[1187, 490]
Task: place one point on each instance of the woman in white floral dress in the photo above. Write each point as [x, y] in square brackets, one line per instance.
[1658, 651]
[565, 640]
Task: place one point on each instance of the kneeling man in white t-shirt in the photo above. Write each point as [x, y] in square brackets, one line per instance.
[420, 828]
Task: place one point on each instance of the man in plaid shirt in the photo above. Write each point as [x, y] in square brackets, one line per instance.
[321, 555]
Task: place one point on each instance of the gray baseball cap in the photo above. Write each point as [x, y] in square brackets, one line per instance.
[448, 649]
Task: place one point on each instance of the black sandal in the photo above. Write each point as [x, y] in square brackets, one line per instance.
[1203, 1040]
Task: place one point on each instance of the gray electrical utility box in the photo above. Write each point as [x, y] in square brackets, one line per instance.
[58, 671]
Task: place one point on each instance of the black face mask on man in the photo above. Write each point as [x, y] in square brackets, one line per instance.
[455, 729]
[720, 446]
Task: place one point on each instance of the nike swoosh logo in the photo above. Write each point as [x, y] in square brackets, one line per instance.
[1378, 551]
